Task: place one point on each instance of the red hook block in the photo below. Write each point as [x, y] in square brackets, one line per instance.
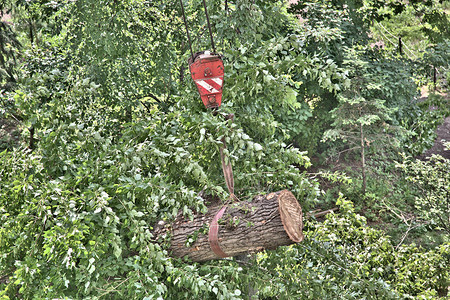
[207, 72]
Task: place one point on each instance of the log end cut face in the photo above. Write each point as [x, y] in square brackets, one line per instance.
[291, 215]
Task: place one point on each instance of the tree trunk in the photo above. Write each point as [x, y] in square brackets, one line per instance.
[363, 160]
[269, 221]
[434, 78]
[31, 142]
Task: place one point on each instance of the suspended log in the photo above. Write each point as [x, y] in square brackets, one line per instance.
[267, 222]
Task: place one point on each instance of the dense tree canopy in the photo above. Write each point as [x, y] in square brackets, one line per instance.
[114, 139]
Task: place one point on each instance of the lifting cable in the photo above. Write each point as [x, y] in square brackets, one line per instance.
[207, 80]
[209, 27]
[187, 29]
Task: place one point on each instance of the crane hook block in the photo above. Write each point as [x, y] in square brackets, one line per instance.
[207, 72]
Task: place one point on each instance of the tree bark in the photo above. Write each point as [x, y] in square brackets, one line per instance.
[267, 222]
[363, 159]
[31, 143]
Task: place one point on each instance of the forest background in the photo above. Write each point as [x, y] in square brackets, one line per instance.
[103, 135]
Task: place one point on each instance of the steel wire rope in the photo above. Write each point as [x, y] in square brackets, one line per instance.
[209, 27]
[403, 43]
[187, 30]
[393, 43]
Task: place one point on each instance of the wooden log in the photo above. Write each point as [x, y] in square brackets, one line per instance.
[267, 222]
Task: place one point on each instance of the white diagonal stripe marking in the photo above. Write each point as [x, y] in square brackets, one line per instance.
[217, 80]
[207, 86]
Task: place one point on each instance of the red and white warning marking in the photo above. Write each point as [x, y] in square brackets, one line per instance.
[210, 85]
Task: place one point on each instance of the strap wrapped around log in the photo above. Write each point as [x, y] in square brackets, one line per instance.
[214, 232]
[267, 222]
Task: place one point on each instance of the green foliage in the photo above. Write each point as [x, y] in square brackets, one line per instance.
[421, 121]
[343, 258]
[433, 182]
[436, 25]
[361, 115]
[423, 29]
[437, 55]
[106, 169]
[418, 23]
[123, 141]
[93, 210]
[9, 47]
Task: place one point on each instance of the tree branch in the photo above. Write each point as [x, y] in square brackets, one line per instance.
[150, 95]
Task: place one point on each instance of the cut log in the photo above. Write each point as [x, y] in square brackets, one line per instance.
[267, 222]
